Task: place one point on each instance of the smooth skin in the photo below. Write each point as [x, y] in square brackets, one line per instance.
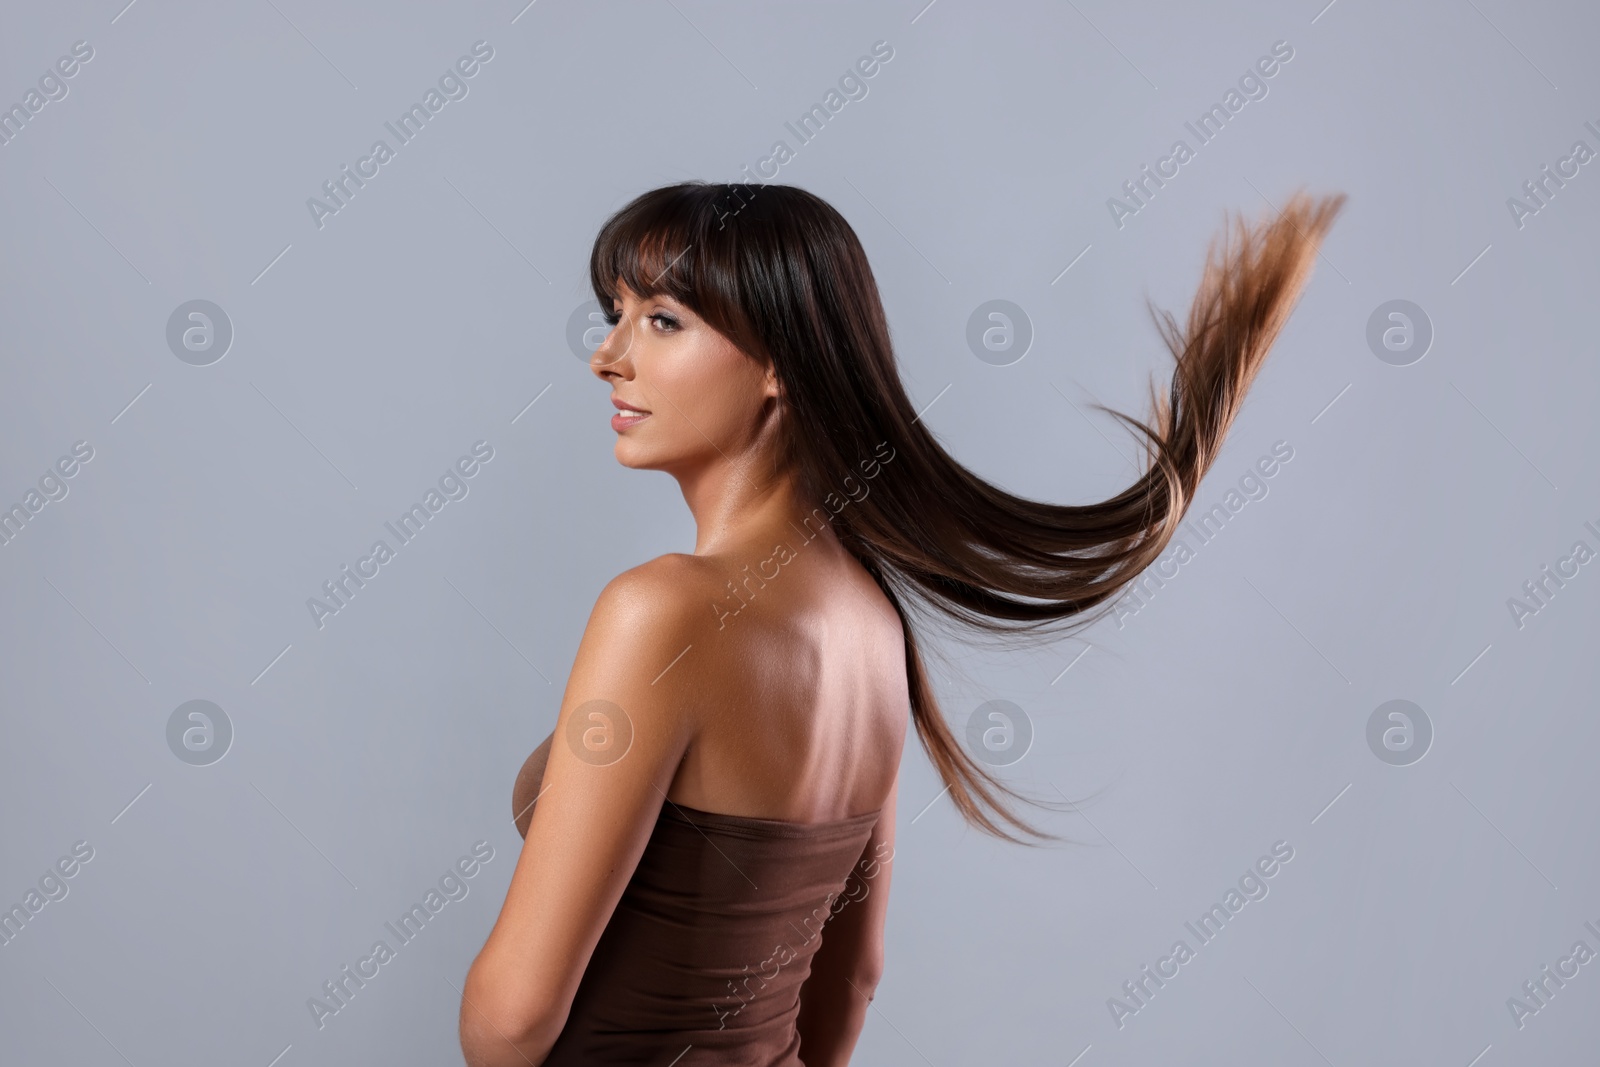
[795, 708]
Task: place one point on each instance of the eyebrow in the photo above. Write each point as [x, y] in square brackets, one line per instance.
[658, 297]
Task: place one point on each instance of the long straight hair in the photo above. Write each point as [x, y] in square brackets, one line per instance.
[781, 274]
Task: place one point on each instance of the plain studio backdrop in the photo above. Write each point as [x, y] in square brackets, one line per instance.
[250, 378]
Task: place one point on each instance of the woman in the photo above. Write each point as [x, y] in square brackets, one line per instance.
[721, 779]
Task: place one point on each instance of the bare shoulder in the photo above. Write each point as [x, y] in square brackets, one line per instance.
[661, 590]
[656, 607]
[630, 652]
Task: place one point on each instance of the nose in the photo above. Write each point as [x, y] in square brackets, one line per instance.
[611, 357]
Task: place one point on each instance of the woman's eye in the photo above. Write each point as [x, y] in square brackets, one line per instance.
[668, 323]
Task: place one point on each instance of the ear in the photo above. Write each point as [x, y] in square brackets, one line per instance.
[770, 384]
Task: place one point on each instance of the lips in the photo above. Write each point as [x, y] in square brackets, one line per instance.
[623, 406]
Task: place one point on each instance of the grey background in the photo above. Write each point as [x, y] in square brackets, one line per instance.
[1228, 714]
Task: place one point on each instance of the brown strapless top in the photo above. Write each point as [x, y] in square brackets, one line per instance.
[703, 959]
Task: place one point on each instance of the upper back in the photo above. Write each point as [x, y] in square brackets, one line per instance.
[799, 680]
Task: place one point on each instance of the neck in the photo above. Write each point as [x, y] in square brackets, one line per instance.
[741, 504]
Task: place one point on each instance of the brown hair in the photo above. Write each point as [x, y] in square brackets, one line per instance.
[782, 275]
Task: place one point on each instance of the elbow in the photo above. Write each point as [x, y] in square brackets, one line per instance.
[502, 1024]
[866, 975]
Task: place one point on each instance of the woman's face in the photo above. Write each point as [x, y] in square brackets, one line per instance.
[706, 400]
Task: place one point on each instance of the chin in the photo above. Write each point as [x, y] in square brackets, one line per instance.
[629, 456]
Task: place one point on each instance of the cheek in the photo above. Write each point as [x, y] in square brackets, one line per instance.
[710, 384]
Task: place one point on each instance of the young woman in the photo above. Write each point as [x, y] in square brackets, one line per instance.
[721, 781]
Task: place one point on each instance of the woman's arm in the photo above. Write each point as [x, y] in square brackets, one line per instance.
[530, 781]
[849, 962]
[619, 739]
